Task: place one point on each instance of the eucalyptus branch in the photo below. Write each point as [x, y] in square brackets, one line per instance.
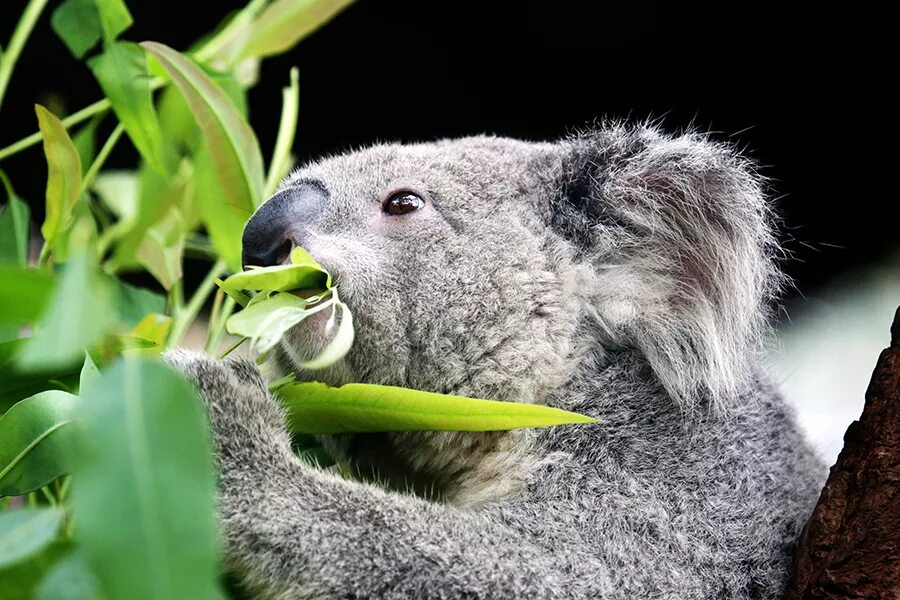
[184, 317]
[17, 42]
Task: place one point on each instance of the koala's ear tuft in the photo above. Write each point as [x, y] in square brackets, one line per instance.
[680, 234]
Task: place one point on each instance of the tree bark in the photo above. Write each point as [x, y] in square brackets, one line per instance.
[850, 547]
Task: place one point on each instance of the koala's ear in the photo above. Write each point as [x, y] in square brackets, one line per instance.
[680, 234]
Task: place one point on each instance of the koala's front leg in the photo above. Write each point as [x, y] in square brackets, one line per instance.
[292, 531]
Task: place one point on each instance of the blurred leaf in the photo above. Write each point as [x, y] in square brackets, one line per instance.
[122, 73]
[86, 142]
[158, 197]
[90, 374]
[16, 385]
[285, 22]
[281, 157]
[114, 17]
[162, 249]
[25, 532]
[154, 328]
[15, 218]
[233, 150]
[224, 224]
[318, 409]
[34, 442]
[77, 316]
[131, 303]
[19, 582]
[118, 190]
[69, 579]
[146, 476]
[77, 23]
[63, 173]
[23, 294]
[338, 347]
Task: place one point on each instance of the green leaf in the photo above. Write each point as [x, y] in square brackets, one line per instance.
[23, 294]
[302, 273]
[34, 442]
[15, 217]
[20, 581]
[223, 223]
[77, 23]
[285, 22]
[145, 475]
[131, 303]
[114, 18]
[69, 579]
[266, 320]
[25, 532]
[77, 316]
[339, 346]
[318, 409]
[90, 374]
[122, 73]
[63, 173]
[233, 148]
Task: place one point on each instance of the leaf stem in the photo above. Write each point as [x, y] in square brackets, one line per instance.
[17, 42]
[233, 347]
[82, 115]
[217, 326]
[92, 171]
[281, 156]
[183, 318]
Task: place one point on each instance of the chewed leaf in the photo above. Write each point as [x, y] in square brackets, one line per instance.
[339, 346]
[267, 320]
[280, 278]
[318, 409]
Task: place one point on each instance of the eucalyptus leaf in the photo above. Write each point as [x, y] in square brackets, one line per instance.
[35, 438]
[233, 148]
[114, 18]
[339, 345]
[121, 71]
[269, 319]
[131, 304]
[77, 23]
[20, 581]
[25, 532]
[285, 22]
[317, 408]
[15, 217]
[85, 141]
[24, 293]
[69, 579]
[145, 475]
[90, 374]
[77, 315]
[63, 173]
[302, 273]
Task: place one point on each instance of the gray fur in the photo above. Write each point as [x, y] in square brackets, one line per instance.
[623, 274]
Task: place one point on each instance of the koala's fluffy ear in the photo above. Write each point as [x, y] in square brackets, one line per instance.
[680, 234]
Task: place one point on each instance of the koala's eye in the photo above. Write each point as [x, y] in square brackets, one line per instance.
[402, 203]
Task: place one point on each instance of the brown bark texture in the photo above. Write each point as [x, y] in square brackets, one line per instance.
[851, 545]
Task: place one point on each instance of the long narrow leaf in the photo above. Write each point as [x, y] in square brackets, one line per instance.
[233, 147]
[14, 224]
[317, 408]
[63, 173]
[287, 127]
[122, 73]
[145, 475]
[286, 22]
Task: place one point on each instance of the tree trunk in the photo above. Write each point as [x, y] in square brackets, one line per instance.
[851, 545]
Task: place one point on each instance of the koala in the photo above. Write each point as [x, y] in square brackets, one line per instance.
[622, 273]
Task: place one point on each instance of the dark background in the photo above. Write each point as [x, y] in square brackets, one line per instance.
[801, 89]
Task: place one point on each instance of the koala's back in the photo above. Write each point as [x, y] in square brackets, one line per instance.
[671, 505]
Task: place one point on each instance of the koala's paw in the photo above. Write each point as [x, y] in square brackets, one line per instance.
[246, 422]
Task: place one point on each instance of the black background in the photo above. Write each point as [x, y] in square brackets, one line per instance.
[803, 89]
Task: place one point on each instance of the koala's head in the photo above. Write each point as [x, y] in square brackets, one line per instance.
[490, 267]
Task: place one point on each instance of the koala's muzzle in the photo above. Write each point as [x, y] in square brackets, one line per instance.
[281, 223]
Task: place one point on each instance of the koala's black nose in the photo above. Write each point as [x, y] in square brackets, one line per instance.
[281, 223]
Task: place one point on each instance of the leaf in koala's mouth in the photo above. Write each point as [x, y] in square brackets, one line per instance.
[283, 296]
